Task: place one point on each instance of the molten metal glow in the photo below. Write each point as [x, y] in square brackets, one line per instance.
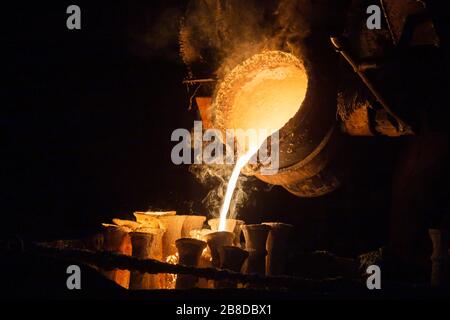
[262, 93]
[269, 100]
[171, 278]
[240, 163]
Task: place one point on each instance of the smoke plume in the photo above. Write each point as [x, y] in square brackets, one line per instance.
[215, 177]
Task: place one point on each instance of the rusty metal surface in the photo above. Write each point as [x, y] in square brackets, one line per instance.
[321, 184]
[309, 166]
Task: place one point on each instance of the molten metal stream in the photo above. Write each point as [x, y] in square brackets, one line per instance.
[263, 92]
[240, 163]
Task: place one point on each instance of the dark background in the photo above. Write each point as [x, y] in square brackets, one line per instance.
[86, 118]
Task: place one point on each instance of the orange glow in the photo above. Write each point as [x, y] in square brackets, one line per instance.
[241, 162]
[171, 278]
[262, 93]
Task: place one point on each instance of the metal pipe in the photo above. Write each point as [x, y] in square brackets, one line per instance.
[338, 43]
[194, 81]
